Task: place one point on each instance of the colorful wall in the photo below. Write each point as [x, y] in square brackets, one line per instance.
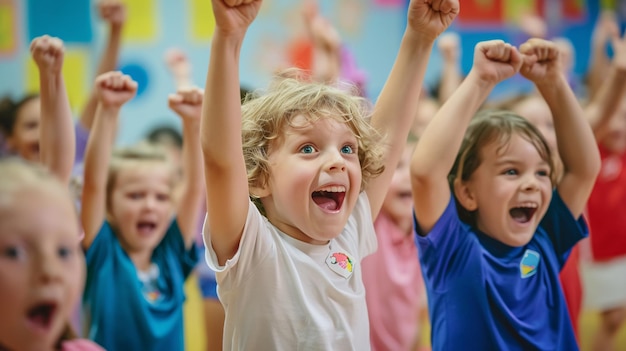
[371, 29]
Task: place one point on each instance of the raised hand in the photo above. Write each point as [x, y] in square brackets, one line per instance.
[112, 11]
[179, 66]
[541, 63]
[431, 17]
[233, 17]
[187, 103]
[606, 28]
[115, 89]
[495, 61]
[449, 46]
[619, 51]
[47, 52]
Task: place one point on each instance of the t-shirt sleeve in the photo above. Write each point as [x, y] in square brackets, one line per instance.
[563, 230]
[82, 136]
[254, 246]
[173, 241]
[439, 246]
[102, 247]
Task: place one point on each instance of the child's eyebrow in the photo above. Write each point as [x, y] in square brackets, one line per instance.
[513, 161]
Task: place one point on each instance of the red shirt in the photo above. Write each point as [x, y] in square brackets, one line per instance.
[607, 209]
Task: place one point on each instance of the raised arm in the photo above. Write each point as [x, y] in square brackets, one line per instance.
[114, 13]
[437, 149]
[180, 68]
[576, 144]
[606, 101]
[187, 103]
[113, 89]
[397, 104]
[326, 65]
[605, 29]
[57, 142]
[449, 45]
[225, 171]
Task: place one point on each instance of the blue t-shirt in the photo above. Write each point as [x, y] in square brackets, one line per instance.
[121, 312]
[485, 295]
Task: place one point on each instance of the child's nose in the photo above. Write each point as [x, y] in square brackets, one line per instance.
[50, 270]
[530, 183]
[336, 163]
[150, 202]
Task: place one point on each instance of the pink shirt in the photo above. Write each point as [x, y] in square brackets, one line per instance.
[394, 288]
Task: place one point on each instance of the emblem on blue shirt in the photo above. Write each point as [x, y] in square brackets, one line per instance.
[528, 264]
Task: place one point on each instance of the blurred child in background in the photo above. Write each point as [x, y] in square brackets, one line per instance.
[138, 257]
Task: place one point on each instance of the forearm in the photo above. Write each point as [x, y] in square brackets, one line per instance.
[326, 65]
[437, 149]
[450, 80]
[193, 181]
[606, 101]
[598, 68]
[575, 139]
[108, 62]
[100, 147]
[96, 168]
[397, 104]
[221, 110]
[57, 140]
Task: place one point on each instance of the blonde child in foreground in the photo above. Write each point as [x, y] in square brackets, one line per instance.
[138, 255]
[41, 264]
[491, 250]
[289, 272]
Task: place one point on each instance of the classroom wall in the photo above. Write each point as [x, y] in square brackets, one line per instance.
[372, 29]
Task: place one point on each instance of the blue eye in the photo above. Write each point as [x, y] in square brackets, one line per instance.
[347, 149]
[307, 149]
[510, 172]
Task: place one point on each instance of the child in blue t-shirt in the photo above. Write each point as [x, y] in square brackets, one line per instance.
[137, 256]
[491, 254]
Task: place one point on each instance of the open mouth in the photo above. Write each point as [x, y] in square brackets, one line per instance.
[405, 195]
[41, 315]
[523, 213]
[146, 227]
[330, 199]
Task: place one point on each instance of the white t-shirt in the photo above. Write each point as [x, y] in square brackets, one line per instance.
[280, 293]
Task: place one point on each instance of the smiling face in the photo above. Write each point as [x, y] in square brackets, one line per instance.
[24, 138]
[509, 191]
[398, 203]
[41, 267]
[314, 179]
[140, 204]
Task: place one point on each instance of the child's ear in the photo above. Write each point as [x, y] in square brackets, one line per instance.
[464, 195]
[260, 191]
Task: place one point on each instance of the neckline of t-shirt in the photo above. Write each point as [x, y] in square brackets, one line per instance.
[151, 274]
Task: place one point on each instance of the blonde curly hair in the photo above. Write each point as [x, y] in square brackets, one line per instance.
[266, 116]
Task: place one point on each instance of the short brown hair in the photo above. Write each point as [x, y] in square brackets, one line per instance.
[493, 126]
